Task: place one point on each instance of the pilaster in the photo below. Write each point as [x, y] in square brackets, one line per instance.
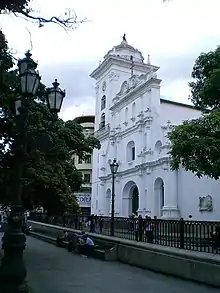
[101, 199]
[141, 189]
[170, 209]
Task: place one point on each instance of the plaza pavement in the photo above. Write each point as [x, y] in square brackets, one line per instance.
[54, 270]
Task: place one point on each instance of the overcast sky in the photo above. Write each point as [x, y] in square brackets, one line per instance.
[174, 35]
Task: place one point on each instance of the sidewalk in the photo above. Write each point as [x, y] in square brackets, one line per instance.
[54, 270]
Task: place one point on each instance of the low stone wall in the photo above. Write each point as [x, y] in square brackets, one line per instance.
[195, 266]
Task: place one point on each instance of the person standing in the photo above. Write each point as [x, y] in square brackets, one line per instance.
[101, 221]
[149, 229]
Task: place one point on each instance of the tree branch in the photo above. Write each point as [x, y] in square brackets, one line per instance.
[69, 22]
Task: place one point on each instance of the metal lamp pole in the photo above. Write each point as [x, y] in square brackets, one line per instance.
[114, 168]
[12, 270]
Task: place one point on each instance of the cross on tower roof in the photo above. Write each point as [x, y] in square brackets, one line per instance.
[124, 38]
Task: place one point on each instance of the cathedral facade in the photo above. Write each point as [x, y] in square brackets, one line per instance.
[132, 122]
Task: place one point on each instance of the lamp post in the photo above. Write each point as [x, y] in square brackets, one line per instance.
[12, 270]
[55, 97]
[114, 168]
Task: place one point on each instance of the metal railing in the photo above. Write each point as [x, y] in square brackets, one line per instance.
[190, 235]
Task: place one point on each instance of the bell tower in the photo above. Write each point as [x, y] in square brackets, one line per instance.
[122, 65]
[118, 65]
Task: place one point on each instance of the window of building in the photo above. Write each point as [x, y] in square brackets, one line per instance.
[131, 151]
[102, 122]
[103, 102]
[145, 140]
[80, 161]
[88, 159]
[87, 178]
[158, 147]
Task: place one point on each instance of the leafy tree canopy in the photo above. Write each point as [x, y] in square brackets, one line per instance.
[195, 144]
[49, 177]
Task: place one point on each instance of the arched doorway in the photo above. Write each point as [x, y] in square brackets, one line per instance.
[135, 200]
[108, 202]
[130, 199]
[159, 196]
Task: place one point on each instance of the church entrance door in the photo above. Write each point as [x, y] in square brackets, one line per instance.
[135, 200]
[130, 199]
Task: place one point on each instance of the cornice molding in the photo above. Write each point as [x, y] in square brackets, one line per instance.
[102, 133]
[133, 94]
[141, 168]
[115, 60]
[127, 131]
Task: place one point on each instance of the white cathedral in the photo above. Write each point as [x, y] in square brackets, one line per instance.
[132, 122]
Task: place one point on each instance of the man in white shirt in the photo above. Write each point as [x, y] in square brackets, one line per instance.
[88, 245]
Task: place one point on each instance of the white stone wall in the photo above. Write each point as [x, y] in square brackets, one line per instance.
[190, 188]
[135, 113]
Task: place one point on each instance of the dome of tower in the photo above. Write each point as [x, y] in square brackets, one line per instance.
[126, 51]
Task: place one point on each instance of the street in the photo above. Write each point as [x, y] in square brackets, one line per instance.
[54, 270]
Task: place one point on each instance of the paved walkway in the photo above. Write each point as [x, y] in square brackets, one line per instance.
[54, 270]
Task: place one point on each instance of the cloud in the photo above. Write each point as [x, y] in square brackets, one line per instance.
[175, 69]
[174, 35]
[74, 78]
[84, 108]
[175, 72]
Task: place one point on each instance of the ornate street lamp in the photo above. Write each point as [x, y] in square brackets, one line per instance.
[55, 97]
[114, 168]
[29, 78]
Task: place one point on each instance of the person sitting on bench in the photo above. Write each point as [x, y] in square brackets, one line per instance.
[74, 240]
[62, 238]
[87, 245]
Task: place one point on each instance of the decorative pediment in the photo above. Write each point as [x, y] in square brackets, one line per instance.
[124, 88]
[134, 81]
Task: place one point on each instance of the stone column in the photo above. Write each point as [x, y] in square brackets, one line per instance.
[118, 197]
[139, 143]
[149, 194]
[141, 189]
[170, 209]
[101, 198]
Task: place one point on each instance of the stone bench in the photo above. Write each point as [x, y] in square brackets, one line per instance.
[103, 253]
[43, 237]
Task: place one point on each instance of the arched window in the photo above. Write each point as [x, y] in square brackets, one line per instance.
[131, 151]
[102, 122]
[103, 102]
[145, 140]
[158, 146]
[159, 195]
[162, 195]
